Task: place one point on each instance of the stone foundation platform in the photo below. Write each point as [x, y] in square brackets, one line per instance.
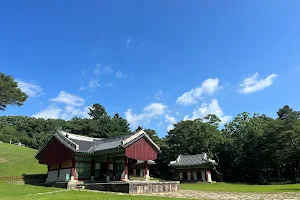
[133, 187]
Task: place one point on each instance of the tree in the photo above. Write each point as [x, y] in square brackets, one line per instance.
[97, 111]
[10, 94]
[212, 119]
[139, 128]
[288, 115]
[192, 137]
[154, 137]
[286, 112]
[118, 126]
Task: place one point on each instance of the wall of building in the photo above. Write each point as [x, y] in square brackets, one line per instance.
[136, 187]
[194, 175]
[59, 172]
[55, 153]
[141, 150]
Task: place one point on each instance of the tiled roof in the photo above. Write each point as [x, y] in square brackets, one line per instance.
[192, 160]
[83, 144]
[111, 143]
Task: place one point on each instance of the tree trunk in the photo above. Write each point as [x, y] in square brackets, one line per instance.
[297, 174]
[278, 173]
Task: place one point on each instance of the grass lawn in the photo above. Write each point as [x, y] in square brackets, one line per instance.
[12, 191]
[241, 187]
[15, 160]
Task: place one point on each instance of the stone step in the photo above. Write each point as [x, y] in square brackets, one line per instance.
[80, 187]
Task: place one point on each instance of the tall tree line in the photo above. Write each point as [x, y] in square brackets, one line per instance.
[34, 132]
[251, 149]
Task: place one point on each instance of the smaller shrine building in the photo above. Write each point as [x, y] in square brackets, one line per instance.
[194, 168]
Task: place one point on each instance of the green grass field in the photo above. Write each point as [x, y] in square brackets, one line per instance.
[15, 160]
[242, 187]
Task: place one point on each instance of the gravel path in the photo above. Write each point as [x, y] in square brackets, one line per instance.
[192, 194]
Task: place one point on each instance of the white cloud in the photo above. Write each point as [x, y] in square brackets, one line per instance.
[51, 112]
[208, 86]
[133, 119]
[69, 112]
[177, 113]
[254, 84]
[119, 74]
[212, 108]
[170, 127]
[171, 120]
[83, 71]
[155, 109]
[97, 69]
[149, 112]
[128, 41]
[32, 89]
[108, 69]
[158, 95]
[81, 88]
[94, 83]
[54, 112]
[159, 124]
[69, 99]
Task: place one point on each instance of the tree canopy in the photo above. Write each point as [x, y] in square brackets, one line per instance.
[33, 132]
[10, 94]
[250, 149]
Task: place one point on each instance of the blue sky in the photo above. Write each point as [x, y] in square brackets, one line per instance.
[153, 62]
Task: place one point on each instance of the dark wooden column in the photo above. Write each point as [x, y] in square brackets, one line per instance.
[126, 169]
[73, 168]
[59, 167]
[107, 173]
[114, 169]
[93, 169]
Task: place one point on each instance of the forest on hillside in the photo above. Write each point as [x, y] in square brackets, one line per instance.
[250, 149]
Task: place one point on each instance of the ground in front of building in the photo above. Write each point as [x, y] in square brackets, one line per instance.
[218, 191]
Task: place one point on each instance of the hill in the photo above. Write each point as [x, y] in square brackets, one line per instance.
[16, 160]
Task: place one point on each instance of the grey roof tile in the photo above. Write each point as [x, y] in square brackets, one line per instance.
[191, 160]
[84, 146]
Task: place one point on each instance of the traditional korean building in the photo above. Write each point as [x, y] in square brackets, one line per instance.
[74, 157]
[194, 168]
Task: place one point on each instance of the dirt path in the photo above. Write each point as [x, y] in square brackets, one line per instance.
[192, 194]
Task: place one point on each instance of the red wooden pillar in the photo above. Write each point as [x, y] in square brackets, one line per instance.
[146, 170]
[126, 169]
[73, 168]
[107, 173]
[92, 169]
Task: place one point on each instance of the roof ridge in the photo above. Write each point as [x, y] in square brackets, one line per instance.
[193, 154]
[78, 137]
